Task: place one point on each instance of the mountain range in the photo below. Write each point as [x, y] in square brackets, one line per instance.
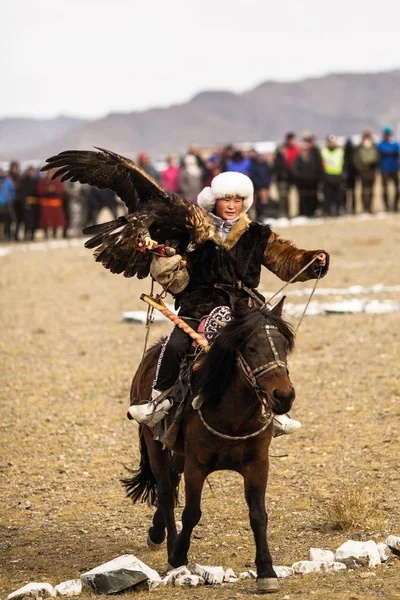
[337, 103]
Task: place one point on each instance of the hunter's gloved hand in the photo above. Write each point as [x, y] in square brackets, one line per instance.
[170, 272]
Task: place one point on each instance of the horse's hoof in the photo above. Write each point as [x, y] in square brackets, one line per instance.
[268, 585]
[152, 545]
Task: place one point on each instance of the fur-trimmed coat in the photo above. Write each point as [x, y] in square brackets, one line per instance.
[236, 260]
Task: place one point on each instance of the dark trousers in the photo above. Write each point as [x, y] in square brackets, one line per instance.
[367, 191]
[6, 219]
[173, 351]
[19, 215]
[308, 200]
[386, 178]
[333, 194]
[32, 216]
[283, 191]
[349, 200]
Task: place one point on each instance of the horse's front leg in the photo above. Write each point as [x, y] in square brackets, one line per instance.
[194, 480]
[255, 482]
[160, 463]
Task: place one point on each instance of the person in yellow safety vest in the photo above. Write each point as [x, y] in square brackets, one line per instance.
[333, 163]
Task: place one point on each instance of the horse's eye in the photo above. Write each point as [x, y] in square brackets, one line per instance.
[252, 350]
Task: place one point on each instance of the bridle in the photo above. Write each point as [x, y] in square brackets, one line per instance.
[251, 376]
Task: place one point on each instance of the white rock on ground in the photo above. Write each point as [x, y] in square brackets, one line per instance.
[33, 590]
[190, 580]
[73, 587]
[119, 574]
[244, 575]
[282, 572]
[230, 576]
[393, 542]
[359, 550]
[384, 551]
[173, 574]
[210, 574]
[154, 584]
[315, 566]
[253, 573]
[319, 554]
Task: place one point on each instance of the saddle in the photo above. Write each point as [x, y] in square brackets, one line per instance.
[169, 430]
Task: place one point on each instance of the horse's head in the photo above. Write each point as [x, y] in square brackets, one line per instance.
[257, 342]
[263, 358]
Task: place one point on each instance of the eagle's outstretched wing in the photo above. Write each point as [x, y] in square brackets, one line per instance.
[153, 211]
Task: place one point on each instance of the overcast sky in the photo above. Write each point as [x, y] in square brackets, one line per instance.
[87, 58]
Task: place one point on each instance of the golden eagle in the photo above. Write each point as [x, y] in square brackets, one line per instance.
[154, 214]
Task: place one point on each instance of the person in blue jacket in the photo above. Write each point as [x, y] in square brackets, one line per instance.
[7, 197]
[389, 150]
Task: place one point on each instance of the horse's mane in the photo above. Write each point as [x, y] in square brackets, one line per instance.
[220, 363]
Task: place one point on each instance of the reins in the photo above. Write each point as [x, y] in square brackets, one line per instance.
[268, 302]
[250, 374]
[236, 438]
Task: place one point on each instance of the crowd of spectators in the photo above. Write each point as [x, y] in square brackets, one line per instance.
[325, 179]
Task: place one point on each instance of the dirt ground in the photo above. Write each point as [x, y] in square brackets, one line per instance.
[67, 362]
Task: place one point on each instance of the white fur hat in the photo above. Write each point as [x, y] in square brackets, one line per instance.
[227, 184]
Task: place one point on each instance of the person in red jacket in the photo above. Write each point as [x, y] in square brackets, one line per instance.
[51, 194]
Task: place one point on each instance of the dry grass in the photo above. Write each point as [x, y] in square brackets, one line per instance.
[353, 508]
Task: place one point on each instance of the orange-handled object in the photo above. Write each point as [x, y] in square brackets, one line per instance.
[159, 305]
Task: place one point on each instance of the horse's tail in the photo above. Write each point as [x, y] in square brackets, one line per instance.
[142, 486]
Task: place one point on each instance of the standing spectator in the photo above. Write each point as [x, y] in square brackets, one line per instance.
[169, 178]
[29, 194]
[191, 178]
[77, 201]
[307, 173]
[349, 196]
[145, 162]
[213, 169]
[200, 161]
[99, 199]
[260, 175]
[333, 163]
[225, 156]
[238, 163]
[19, 210]
[283, 167]
[7, 196]
[366, 160]
[389, 151]
[51, 196]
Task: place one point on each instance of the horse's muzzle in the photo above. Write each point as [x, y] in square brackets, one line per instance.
[282, 400]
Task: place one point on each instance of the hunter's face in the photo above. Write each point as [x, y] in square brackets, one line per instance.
[229, 208]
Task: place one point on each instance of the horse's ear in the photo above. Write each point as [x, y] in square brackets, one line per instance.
[277, 309]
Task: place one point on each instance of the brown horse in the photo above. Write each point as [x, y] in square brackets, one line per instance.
[242, 381]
